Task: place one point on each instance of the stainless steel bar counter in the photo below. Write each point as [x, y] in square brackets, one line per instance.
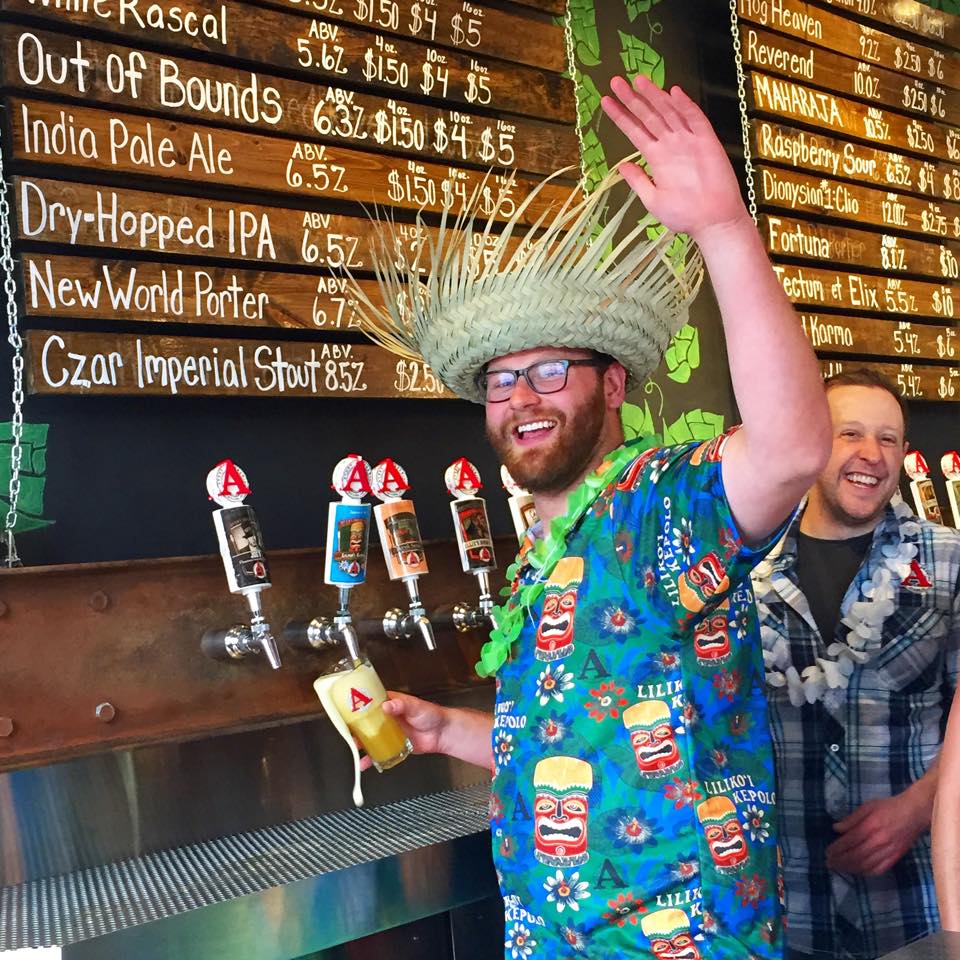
[273, 894]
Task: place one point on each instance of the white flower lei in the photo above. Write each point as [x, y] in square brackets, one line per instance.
[828, 676]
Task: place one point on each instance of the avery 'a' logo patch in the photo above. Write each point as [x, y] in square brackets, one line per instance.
[917, 577]
[358, 700]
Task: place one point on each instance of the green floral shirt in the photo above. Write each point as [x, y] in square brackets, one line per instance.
[633, 801]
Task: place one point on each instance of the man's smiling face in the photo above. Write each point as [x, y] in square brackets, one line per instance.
[868, 448]
[548, 441]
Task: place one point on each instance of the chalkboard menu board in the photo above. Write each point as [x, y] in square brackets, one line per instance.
[202, 173]
[854, 110]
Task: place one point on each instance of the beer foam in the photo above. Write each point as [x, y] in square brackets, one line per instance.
[324, 688]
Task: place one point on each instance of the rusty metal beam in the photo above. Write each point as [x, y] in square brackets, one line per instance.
[96, 657]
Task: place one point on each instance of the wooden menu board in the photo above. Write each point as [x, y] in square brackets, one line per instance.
[915, 381]
[855, 132]
[104, 363]
[468, 26]
[173, 168]
[131, 144]
[108, 290]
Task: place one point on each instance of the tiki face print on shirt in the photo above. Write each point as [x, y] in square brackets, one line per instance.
[702, 581]
[653, 738]
[728, 845]
[711, 637]
[669, 934]
[555, 632]
[560, 811]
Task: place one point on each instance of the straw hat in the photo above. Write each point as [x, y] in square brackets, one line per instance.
[577, 278]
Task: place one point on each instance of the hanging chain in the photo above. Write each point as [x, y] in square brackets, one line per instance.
[15, 341]
[744, 119]
[574, 72]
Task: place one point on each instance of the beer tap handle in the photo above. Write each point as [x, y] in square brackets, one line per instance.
[472, 527]
[403, 550]
[950, 465]
[921, 486]
[244, 562]
[523, 512]
[348, 539]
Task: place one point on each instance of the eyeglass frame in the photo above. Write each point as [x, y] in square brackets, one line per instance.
[598, 361]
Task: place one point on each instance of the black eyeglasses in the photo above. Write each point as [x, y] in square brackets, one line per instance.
[547, 376]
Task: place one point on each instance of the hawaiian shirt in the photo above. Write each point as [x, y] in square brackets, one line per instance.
[839, 746]
[632, 809]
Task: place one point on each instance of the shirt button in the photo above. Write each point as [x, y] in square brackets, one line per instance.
[834, 747]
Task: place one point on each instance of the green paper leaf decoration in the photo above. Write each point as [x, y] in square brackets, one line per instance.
[636, 7]
[693, 425]
[639, 57]
[594, 160]
[588, 100]
[683, 354]
[33, 465]
[583, 26]
[637, 421]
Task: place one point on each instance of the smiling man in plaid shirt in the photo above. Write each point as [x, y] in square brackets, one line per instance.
[860, 620]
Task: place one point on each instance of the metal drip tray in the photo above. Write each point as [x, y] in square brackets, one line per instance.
[118, 896]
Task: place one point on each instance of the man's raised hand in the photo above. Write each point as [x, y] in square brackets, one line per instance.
[689, 184]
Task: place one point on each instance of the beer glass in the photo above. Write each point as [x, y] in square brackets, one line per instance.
[353, 697]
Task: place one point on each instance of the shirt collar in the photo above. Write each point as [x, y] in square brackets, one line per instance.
[886, 534]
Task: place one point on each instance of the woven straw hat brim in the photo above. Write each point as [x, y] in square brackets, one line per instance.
[484, 328]
[578, 279]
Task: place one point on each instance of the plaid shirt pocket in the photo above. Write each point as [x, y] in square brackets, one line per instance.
[914, 655]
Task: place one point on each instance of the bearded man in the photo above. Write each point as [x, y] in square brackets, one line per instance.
[632, 800]
[860, 620]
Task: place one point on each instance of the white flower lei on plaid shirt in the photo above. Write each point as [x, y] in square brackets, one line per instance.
[828, 676]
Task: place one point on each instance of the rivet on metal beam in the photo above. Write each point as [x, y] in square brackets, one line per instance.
[6, 726]
[105, 712]
[99, 601]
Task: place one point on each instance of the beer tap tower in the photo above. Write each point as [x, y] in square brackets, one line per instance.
[950, 465]
[921, 486]
[245, 563]
[345, 565]
[472, 527]
[403, 551]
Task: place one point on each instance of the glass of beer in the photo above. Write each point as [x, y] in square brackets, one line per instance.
[353, 698]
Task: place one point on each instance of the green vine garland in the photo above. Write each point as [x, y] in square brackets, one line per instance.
[543, 555]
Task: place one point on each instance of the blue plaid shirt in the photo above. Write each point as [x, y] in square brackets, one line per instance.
[871, 740]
